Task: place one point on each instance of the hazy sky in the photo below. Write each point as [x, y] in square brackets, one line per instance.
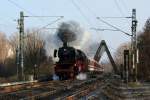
[82, 11]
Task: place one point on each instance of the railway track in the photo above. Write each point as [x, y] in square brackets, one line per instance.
[70, 89]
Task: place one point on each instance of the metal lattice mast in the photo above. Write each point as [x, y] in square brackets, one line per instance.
[21, 46]
[134, 44]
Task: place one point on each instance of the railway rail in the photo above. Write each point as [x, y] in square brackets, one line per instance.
[69, 89]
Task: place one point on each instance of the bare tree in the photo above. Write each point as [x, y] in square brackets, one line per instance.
[6, 55]
[119, 54]
[14, 41]
[4, 47]
[34, 49]
[144, 51]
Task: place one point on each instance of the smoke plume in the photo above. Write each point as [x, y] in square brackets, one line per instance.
[70, 32]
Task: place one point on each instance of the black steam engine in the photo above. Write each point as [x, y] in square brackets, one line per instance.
[71, 62]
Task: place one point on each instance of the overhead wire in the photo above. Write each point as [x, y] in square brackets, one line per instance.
[124, 5]
[9, 16]
[104, 29]
[44, 16]
[118, 7]
[81, 12]
[91, 11]
[115, 17]
[107, 22]
[44, 27]
[20, 7]
[114, 26]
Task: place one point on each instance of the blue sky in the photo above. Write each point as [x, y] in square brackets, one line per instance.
[82, 11]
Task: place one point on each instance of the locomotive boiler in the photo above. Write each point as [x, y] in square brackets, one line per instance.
[71, 62]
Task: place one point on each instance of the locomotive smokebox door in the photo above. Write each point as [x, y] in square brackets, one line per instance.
[55, 53]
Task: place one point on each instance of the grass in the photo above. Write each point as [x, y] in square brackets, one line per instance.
[134, 84]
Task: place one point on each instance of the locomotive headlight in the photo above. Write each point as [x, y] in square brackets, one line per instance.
[91, 69]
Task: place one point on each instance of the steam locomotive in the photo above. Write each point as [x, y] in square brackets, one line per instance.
[71, 62]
